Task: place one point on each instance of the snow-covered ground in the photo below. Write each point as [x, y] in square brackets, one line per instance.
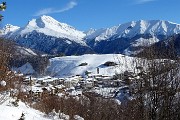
[25, 69]
[25, 51]
[10, 112]
[69, 65]
[105, 92]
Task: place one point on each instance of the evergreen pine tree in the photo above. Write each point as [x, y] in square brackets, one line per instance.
[2, 8]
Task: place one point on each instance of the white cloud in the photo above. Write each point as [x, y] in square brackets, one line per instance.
[143, 1]
[46, 11]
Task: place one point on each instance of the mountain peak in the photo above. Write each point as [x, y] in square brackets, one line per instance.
[46, 17]
[44, 21]
[47, 21]
[9, 28]
[51, 27]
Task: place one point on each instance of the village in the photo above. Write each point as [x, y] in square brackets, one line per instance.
[101, 85]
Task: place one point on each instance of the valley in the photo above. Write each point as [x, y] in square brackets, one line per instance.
[70, 74]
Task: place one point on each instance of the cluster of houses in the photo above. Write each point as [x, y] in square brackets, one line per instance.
[73, 86]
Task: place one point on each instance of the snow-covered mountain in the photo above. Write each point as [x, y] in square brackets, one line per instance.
[51, 27]
[47, 35]
[131, 37]
[131, 29]
[168, 49]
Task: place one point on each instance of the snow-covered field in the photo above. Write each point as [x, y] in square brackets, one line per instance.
[10, 112]
[69, 65]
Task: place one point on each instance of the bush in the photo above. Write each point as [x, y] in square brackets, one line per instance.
[15, 103]
[83, 64]
[109, 63]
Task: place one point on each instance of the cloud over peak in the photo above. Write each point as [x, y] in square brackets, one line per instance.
[46, 11]
[143, 1]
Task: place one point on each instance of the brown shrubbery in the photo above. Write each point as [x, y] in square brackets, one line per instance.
[6, 51]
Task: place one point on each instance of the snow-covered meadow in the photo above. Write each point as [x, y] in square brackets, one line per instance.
[70, 65]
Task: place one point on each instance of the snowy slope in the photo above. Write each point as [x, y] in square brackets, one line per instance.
[68, 66]
[25, 69]
[24, 51]
[9, 112]
[93, 33]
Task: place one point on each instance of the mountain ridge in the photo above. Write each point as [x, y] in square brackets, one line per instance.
[128, 38]
[145, 25]
[142, 26]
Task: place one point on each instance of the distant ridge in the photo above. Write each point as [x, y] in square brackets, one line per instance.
[47, 35]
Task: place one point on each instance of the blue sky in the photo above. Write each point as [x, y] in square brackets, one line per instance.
[85, 14]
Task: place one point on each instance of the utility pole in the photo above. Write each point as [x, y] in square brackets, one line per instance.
[97, 70]
[31, 98]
